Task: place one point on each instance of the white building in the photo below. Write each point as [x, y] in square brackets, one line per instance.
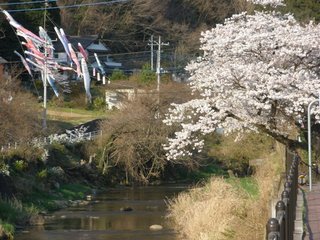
[117, 94]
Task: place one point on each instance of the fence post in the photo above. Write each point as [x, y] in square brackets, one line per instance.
[285, 209]
[281, 215]
[273, 229]
[285, 199]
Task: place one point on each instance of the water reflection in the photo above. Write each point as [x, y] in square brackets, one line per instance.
[106, 220]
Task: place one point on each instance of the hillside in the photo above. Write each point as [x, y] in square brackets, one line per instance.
[128, 26]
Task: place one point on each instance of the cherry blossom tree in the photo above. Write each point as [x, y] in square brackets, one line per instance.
[257, 73]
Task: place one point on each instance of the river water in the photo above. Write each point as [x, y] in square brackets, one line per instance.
[105, 219]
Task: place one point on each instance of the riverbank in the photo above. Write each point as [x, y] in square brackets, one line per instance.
[119, 212]
[36, 181]
[32, 209]
[228, 208]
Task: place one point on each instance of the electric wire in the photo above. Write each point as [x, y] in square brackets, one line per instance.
[68, 6]
[24, 3]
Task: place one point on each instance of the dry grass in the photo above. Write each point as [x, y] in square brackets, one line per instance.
[220, 210]
[208, 212]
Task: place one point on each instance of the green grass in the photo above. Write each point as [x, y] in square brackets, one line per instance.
[201, 174]
[8, 228]
[77, 111]
[47, 201]
[65, 116]
[208, 171]
[42, 200]
[73, 191]
[248, 184]
[10, 212]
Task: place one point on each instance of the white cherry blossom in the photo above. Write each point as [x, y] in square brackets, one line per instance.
[257, 73]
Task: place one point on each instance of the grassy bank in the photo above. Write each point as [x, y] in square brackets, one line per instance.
[16, 213]
[228, 208]
[35, 181]
[45, 201]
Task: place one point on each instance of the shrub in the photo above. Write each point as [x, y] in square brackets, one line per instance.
[20, 165]
[7, 228]
[147, 76]
[30, 154]
[99, 103]
[118, 74]
[42, 174]
[11, 210]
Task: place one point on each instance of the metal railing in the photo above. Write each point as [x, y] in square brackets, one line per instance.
[282, 226]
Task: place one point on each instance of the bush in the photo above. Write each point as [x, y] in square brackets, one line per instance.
[99, 103]
[20, 165]
[12, 210]
[7, 228]
[147, 76]
[42, 174]
[27, 153]
[118, 74]
[58, 155]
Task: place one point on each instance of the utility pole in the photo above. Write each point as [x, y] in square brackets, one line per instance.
[45, 73]
[151, 45]
[159, 43]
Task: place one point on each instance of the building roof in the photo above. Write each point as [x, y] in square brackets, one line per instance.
[97, 47]
[85, 41]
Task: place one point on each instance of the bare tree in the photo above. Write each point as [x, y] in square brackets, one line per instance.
[134, 136]
[18, 111]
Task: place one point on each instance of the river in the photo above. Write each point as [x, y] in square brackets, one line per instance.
[105, 218]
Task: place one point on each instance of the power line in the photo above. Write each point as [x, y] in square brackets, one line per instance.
[24, 3]
[68, 6]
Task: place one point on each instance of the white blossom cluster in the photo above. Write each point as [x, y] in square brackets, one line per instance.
[71, 136]
[76, 135]
[268, 2]
[5, 169]
[257, 71]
